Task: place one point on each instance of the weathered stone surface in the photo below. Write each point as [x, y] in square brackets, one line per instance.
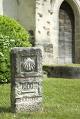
[26, 67]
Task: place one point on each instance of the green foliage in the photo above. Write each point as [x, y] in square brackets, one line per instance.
[12, 34]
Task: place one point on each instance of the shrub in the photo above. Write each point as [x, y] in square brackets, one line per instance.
[12, 34]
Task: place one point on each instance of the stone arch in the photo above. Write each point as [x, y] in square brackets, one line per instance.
[55, 27]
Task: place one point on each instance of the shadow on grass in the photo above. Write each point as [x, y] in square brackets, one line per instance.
[5, 109]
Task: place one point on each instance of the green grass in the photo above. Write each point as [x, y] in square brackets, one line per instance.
[61, 100]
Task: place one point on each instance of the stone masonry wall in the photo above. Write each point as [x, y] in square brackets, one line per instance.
[21, 10]
[10, 8]
[44, 15]
[1, 7]
[47, 28]
[26, 14]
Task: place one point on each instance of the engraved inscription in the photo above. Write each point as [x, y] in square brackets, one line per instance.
[28, 89]
[27, 86]
[27, 99]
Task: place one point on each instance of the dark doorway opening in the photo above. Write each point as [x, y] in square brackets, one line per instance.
[66, 34]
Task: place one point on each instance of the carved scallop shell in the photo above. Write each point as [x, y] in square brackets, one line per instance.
[29, 64]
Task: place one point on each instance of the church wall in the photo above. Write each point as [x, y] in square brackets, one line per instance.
[26, 14]
[10, 8]
[1, 7]
[22, 10]
[44, 21]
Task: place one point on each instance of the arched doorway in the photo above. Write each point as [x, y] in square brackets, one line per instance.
[66, 34]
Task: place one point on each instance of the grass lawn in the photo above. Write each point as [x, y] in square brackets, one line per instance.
[67, 65]
[61, 100]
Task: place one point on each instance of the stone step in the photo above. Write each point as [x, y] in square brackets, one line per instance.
[63, 71]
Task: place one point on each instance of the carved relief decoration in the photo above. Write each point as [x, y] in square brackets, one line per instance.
[29, 64]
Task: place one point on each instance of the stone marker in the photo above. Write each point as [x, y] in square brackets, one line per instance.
[26, 78]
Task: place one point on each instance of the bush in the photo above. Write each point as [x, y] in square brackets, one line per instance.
[12, 34]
